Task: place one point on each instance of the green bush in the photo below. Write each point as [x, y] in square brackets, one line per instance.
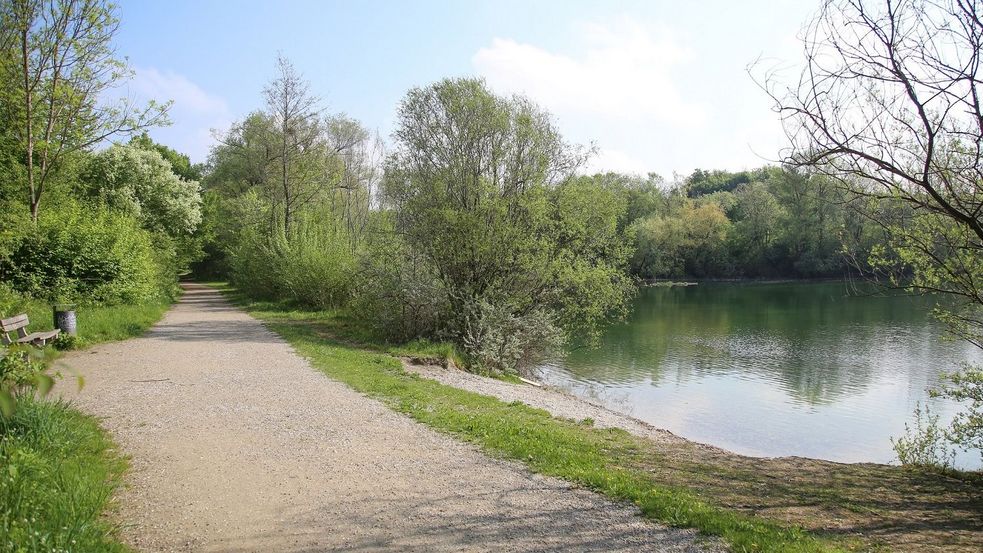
[253, 266]
[313, 266]
[499, 340]
[316, 266]
[11, 303]
[398, 292]
[21, 372]
[68, 342]
[91, 255]
[966, 387]
[924, 443]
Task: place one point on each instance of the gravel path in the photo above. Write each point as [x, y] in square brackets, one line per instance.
[237, 444]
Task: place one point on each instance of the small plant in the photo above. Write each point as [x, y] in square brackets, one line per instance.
[21, 371]
[64, 292]
[924, 444]
[68, 342]
[966, 387]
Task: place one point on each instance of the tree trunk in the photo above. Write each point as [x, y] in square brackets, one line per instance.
[29, 123]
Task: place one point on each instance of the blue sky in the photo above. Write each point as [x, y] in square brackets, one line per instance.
[656, 85]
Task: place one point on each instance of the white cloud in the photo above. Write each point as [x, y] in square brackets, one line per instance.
[168, 85]
[625, 74]
[652, 98]
[194, 114]
[608, 159]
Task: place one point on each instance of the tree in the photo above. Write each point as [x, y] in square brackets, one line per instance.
[758, 226]
[141, 183]
[689, 240]
[180, 163]
[481, 190]
[291, 151]
[57, 64]
[889, 103]
[304, 150]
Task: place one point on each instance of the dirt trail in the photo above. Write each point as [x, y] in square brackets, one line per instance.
[237, 444]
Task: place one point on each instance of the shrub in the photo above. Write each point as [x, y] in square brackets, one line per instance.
[313, 266]
[253, 266]
[68, 342]
[316, 266]
[965, 386]
[499, 340]
[11, 303]
[21, 371]
[398, 292]
[92, 255]
[925, 443]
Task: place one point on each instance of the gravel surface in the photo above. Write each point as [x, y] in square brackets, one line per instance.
[237, 444]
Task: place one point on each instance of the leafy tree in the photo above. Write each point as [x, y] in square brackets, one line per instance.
[294, 155]
[241, 161]
[57, 63]
[660, 246]
[304, 146]
[180, 163]
[141, 183]
[702, 182]
[757, 228]
[479, 186]
[690, 240]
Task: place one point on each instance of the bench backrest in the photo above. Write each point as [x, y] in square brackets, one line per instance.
[17, 322]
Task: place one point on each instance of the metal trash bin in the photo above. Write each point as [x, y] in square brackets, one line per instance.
[65, 319]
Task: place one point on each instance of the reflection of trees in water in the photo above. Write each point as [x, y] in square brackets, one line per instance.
[816, 341]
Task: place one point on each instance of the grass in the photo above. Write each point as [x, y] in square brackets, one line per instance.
[99, 324]
[58, 473]
[604, 460]
[58, 468]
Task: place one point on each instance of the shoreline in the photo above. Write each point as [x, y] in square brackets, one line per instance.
[868, 505]
[566, 405]
[692, 281]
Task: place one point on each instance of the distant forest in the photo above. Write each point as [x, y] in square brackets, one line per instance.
[769, 222]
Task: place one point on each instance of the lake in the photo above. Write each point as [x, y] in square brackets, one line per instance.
[808, 369]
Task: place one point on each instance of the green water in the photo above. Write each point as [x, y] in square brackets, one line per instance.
[815, 370]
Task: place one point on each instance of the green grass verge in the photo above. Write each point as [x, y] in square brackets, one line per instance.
[99, 324]
[58, 473]
[598, 459]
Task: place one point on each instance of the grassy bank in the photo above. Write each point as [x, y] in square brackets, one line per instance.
[789, 504]
[58, 472]
[58, 468]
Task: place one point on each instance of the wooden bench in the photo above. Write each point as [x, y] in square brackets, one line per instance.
[19, 324]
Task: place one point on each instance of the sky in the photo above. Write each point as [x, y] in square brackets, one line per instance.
[656, 86]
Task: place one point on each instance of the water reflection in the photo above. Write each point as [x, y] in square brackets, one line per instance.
[772, 369]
